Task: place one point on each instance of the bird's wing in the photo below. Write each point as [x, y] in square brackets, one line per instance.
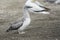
[15, 25]
[18, 22]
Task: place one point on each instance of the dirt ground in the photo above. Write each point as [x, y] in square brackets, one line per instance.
[42, 27]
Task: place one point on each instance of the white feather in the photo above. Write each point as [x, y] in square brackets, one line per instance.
[35, 6]
[26, 21]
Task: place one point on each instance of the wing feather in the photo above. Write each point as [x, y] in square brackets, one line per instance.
[16, 25]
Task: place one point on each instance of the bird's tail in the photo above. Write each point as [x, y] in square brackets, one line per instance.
[8, 30]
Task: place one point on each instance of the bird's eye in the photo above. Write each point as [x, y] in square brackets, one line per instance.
[28, 6]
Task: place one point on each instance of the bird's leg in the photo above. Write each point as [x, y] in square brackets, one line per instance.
[21, 32]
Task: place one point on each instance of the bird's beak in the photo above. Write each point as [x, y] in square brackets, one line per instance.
[45, 12]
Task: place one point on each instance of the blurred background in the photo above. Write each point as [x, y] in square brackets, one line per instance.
[42, 27]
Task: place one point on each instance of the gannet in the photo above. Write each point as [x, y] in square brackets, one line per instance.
[21, 25]
[37, 7]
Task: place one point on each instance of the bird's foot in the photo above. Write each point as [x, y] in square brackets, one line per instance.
[21, 32]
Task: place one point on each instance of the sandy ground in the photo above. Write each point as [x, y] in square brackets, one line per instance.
[42, 27]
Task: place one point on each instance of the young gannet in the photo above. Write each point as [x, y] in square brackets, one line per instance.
[36, 7]
[30, 5]
[21, 25]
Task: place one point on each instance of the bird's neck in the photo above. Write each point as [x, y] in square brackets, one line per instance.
[26, 14]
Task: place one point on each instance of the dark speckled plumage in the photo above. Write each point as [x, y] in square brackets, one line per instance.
[15, 25]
